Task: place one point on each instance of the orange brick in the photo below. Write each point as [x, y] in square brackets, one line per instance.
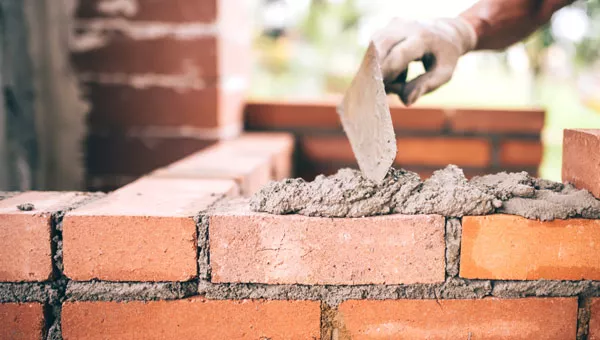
[144, 231]
[252, 160]
[594, 326]
[252, 247]
[440, 151]
[323, 115]
[173, 10]
[21, 321]
[507, 247]
[489, 120]
[192, 319]
[515, 152]
[25, 254]
[532, 318]
[581, 159]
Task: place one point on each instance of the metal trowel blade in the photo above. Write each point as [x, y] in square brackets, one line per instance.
[365, 116]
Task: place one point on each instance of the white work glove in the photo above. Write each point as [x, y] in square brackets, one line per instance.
[437, 43]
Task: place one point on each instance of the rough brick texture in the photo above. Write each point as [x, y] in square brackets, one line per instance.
[251, 247]
[142, 232]
[25, 254]
[251, 160]
[21, 321]
[507, 247]
[534, 318]
[594, 325]
[192, 319]
[581, 159]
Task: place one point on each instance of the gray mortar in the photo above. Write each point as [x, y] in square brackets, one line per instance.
[447, 193]
[43, 292]
[548, 288]
[128, 291]
[203, 248]
[453, 237]
[583, 318]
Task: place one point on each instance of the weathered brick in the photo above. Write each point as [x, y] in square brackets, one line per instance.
[502, 121]
[581, 159]
[508, 247]
[424, 151]
[117, 154]
[323, 115]
[202, 57]
[594, 325]
[21, 321]
[144, 231]
[25, 254]
[192, 318]
[253, 247]
[122, 107]
[532, 318]
[519, 152]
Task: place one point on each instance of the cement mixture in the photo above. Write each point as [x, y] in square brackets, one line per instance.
[447, 193]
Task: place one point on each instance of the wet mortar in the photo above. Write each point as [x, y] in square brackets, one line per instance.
[447, 192]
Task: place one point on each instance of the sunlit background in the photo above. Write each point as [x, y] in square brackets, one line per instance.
[310, 49]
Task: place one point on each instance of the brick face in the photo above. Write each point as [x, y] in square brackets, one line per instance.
[581, 159]
[144, 231]
[251, 247]
[21, 321]
[532, 318]
[503, 121]
[507, 247]
[121, 107]
[594, 326]
[192, 318]
[25, 254]
[518, 153]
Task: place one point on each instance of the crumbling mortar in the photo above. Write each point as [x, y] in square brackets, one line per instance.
[583, 318]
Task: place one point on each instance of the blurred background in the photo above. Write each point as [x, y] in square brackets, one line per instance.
[99, 92]
[307, 49]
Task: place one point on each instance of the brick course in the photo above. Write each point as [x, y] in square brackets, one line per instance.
[192, 318]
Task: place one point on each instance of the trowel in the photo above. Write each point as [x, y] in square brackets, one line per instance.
[365, 116]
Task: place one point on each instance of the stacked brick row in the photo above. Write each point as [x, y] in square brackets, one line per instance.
[479, 141]
[177, 255]
[164, 78]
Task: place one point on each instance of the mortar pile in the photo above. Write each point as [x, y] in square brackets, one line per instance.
[447, 192]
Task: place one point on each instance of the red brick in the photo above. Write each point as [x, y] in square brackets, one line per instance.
[517, 153]
[299, 115]
[25, 254]
[144, 231]
[503, 121]
[192, 319]
[581, 159]
[246, 160]
[155, 10]
[594, 326]
[424, 151]
[21, 321]
[252, 247]
[508, 247]
[201, 57]
[135, 156]
[532, 318]
[122, 107]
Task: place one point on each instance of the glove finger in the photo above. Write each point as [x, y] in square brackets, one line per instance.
[400, 56]
[425, 83]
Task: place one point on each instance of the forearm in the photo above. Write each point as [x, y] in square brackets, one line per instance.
[501, 23]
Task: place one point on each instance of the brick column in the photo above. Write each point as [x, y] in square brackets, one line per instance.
[164, 79]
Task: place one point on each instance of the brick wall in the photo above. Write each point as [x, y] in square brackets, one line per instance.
[479, 141]
[177, 254]
[164, 78]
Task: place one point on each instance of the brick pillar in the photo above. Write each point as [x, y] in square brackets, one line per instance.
[165, 78]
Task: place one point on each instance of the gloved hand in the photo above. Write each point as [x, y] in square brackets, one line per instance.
[437, 43]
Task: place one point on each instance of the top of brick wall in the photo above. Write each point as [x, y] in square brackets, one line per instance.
[322, 115]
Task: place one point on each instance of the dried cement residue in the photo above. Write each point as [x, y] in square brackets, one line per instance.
[447, 193]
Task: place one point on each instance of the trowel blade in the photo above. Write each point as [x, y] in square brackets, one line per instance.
[365, 116]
